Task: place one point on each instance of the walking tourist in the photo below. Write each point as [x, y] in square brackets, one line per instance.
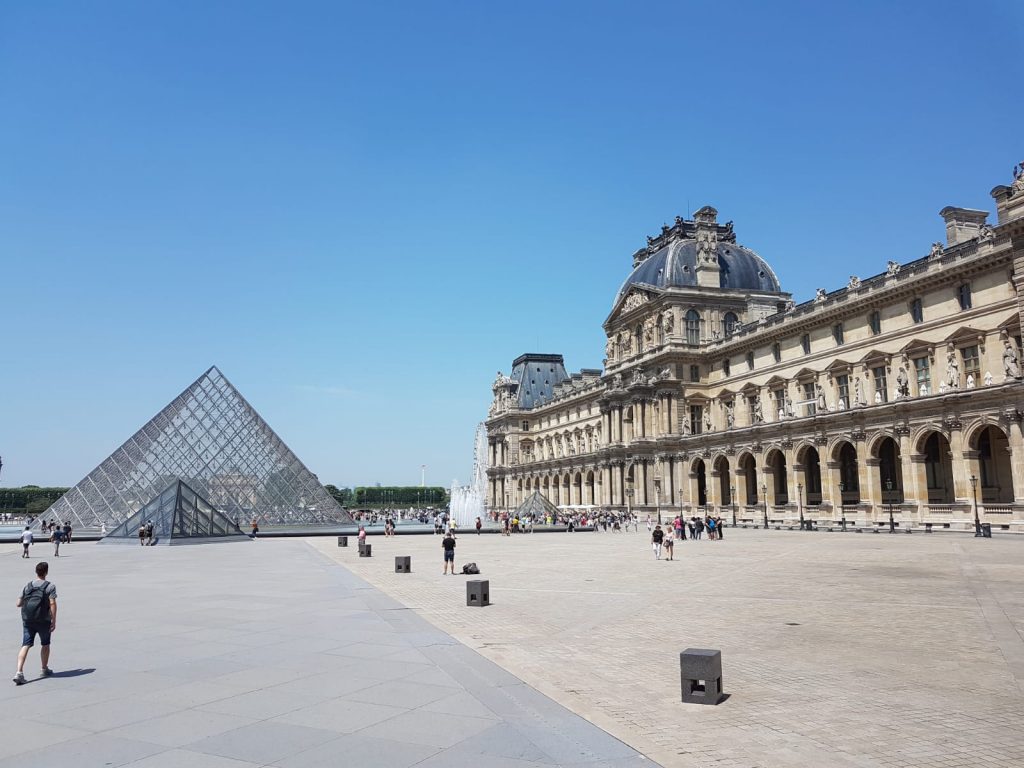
[67, 533]
[479, 525]
[649, 521]
[38, 603]
[255, 527]
[698, 523]
[26, 541]
[677, 526]
[711, 528]
[142, 534]
[57, 537]
[657, 537]
[669, 545]
[719, 528]
[448, 546]
[692, 525]
[362, 536]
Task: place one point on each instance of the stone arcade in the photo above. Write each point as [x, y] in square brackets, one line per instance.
[719, 394]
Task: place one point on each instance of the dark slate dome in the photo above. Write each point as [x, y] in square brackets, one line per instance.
[674, 266]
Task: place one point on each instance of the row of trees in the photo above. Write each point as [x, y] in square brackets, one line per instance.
[400, 496]
[28, 500]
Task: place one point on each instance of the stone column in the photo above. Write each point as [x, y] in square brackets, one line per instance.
[914, 494]
[1016, 441]
[830, 486]
[959, 464]
[871, 487]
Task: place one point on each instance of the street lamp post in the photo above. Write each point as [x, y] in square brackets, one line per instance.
[842, 506]
[764, 500]
[800, 504]
[892, 523]
[629, 499]
[657, 496]
[974, 493]
[732, 500]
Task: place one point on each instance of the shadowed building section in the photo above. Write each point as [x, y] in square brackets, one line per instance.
[210, 438]
[179, 516]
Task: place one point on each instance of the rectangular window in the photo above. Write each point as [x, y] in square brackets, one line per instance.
[837, 333]
[750, 361]
[725, 366]
[972, 365]
[751, 402]
[843, 387]
[776, 352]
[875, 321]
[696, 419]
[963, 295]
[805, 342]
[695, 373]
[881, 388]
[811, 397]
[924, 375]
[526, 426]
[916, 311]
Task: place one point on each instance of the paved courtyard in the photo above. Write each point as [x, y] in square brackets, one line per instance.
[839, 650]
[262, 654]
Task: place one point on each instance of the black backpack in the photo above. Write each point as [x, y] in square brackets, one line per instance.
[35, 604]
[470, 569]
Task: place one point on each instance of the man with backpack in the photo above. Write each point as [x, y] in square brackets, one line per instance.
[38, 603]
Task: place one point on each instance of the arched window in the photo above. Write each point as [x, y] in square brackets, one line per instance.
[692, 327]
[729, 323]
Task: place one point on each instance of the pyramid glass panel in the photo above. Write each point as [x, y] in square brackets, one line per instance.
[537, 506]
[179, 515]
[210, 438]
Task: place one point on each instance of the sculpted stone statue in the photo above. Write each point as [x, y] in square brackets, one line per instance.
[1011, 365]
[649, 332]
[892, 268]
[854, 283]
[686, 426]
[730, 419]
[638, 375]
[952, 370]
[986, 234]
[625, 344]
[665, 373]
[1018, 178]
[970, 381]
[820, 294]
[758, 415]
[820, 392]
[708, 426]
[858, 393]
[789, 407]
[988, 378]
[902, 383]
[617, 381]
[668, 322]
[936, 251]
[878, 396]
[609, 348]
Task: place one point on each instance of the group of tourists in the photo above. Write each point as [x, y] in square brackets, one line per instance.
[146, 534]
[663, 540]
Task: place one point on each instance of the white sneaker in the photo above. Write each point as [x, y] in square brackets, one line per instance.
[19, 679]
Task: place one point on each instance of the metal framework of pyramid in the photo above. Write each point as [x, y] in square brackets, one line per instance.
[537, 506]
[179, 516]
[210, 438]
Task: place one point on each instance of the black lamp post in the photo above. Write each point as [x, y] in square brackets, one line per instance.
[842, 507]
[800, 504]
[974, 493]
[764, 499]
[732, 500]
[892, 523]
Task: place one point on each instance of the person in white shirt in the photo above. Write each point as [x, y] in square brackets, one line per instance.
[26, 540]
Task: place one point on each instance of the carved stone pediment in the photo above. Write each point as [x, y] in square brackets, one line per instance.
[634, 299]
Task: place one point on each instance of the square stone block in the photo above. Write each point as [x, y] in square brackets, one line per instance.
[365, 550]
[343, 541]
[403, 564]
[478, 593]
[701, 675]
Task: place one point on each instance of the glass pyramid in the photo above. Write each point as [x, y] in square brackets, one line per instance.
[210, 438]
[179, 516]
[536, 505]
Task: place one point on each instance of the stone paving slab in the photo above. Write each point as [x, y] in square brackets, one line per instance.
[262, 654]
[844, 651]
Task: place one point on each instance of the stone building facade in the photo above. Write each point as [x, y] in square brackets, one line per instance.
[899, 392]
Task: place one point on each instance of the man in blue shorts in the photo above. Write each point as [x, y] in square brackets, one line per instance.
[448, 545]
[38, 603]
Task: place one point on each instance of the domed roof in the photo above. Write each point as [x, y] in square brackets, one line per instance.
[674, 266]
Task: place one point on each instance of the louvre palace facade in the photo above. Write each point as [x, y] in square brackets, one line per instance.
[899, 392]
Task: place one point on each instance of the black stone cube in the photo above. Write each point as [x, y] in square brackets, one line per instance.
[701, 675]
[364, 551]
[343, 541]
[403, 564]
[478, 593]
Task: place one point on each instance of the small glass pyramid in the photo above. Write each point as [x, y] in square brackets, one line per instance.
[536, 505]
[210, 438]
[179, 516]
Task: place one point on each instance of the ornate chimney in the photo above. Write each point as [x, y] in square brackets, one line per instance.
[962, 224]
[708, 271]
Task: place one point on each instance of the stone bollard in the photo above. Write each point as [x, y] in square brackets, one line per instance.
[701, 674]
[403, 564]
[343, 541]
[478, 593]
[364, 551]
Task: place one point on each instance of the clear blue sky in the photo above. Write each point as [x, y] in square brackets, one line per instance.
[361, 211]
